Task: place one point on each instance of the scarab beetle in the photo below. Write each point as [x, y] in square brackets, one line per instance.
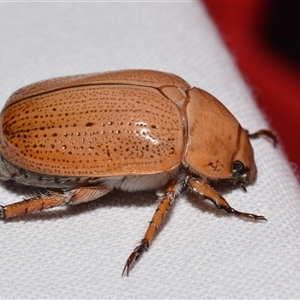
[131, 130]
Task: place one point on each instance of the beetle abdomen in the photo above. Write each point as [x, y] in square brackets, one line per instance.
[98, 130]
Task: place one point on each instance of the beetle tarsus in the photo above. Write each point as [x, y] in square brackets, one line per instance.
[134, 256]
[173, 188]
[200, 187]
[247, 216]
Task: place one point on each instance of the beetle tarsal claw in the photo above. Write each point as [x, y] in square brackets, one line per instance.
[243, 187]
[131, 259]
[134, 256]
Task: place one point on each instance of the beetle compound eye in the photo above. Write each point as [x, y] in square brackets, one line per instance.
[238, 169]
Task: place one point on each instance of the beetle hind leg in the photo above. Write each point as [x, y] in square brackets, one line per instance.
[172, 190]
[199, 187]
[39, 203]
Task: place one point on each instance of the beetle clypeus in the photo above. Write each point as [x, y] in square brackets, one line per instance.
[131, 130]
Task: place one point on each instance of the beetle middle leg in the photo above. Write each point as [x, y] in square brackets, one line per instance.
[172, 190]
[39, 203]
[198, 186]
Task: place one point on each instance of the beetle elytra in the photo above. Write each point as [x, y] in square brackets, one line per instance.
[131, 130]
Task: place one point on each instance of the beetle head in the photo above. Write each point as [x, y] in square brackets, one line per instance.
[243, 164]
[217, 146]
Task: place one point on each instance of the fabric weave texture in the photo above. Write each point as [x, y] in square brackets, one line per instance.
[200, 252]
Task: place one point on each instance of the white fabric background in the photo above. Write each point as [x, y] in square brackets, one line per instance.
[200, 252]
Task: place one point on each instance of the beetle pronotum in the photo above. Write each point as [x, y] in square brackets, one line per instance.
[131, 130]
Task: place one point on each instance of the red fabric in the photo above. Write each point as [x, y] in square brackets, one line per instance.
[274, 80]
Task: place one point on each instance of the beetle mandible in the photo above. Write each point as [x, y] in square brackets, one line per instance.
[131, 130]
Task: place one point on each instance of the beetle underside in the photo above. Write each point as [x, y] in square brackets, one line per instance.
[88, 189]
[174, 182]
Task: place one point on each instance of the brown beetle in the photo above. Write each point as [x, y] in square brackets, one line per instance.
[131, 130]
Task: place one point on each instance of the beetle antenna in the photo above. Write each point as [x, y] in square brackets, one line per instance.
[263, 132]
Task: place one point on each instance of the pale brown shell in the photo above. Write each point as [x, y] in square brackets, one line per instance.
[123, 123]
[97, 125]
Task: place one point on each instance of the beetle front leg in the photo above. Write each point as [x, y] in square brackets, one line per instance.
[172, 190]
[198, 186]
[39, 203]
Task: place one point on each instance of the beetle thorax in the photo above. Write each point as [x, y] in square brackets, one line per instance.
[215, 140]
